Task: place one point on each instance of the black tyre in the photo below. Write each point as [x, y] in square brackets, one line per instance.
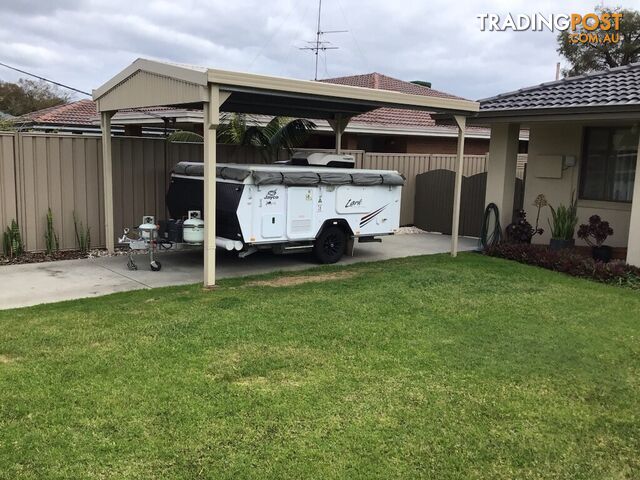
[155, 266]
[330, 245]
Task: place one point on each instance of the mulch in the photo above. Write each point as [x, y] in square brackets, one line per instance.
[40, 257]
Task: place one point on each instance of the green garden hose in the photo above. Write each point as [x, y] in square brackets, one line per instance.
[490, 239]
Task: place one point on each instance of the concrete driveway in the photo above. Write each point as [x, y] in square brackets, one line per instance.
[24, 285]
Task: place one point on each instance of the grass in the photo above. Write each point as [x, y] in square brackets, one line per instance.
[424, 367]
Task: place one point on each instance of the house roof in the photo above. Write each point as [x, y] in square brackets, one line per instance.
[84, 113]
[379, 81]
[391, 116]
[412, 119]
[610, 90]
[74, 113]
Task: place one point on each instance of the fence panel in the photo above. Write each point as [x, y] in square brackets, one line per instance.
[63, 173]
[434, 201]
[140, 178]
[8, 199]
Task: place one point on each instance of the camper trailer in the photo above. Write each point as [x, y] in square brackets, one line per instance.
[290, 208]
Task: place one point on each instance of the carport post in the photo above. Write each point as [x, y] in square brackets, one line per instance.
[339, 124]
[211, 117]
[457, 191]
[107, 179]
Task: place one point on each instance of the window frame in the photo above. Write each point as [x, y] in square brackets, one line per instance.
[608, 155]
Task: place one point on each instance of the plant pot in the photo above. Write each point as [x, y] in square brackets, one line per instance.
[559, 244]
[602, 253]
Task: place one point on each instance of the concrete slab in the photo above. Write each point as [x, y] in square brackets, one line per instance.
[24, 285]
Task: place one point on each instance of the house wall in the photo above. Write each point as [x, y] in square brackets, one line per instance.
[400, 144]
[472, 146]
[565, 138]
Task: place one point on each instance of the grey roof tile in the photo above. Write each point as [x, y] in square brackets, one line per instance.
[617, 86]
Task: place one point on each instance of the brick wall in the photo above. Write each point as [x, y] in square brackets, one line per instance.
[399, 144]
[446, 145]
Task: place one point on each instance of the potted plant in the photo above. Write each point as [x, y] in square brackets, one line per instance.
[563, 225]
[595, 233]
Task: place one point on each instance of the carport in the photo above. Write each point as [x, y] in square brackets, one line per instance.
[147, 83]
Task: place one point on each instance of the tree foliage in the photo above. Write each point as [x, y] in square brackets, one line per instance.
[591, 57]
[233, 128]
[29, 95]
[183, 136]
[281, 133]
[6, 125]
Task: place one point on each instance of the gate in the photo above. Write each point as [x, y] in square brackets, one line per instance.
[434, 201]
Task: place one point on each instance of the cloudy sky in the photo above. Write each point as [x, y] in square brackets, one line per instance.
[84, 42]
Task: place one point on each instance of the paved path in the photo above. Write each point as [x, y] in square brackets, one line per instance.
[23, 285]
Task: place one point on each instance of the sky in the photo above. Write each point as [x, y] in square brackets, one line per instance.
[83, 43]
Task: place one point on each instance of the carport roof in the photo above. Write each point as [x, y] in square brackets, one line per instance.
[148, 83]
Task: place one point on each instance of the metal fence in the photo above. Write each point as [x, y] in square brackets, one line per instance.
[64, 172]
[434, 201]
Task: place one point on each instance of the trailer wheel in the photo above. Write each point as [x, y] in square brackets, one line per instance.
[330, 245]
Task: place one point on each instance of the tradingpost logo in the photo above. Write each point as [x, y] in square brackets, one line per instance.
[594, 28]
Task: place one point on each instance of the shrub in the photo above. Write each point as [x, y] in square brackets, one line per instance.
[12, 241]
[52, 244]
[521, 230]
[565, 220]
[595, 232]
[570, 262]
[83, 236]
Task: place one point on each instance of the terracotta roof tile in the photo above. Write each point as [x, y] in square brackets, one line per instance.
[81, 112]
[74, 113]
[379, 81]
[393, 116]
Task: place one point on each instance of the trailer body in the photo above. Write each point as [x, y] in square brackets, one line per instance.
[287, 206]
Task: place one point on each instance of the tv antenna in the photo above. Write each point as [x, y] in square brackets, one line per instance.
[319, 44]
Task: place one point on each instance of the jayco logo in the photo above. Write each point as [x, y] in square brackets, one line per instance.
[271, 195]
[353, 203]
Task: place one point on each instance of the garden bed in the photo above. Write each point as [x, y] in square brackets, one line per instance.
[571, 261]
[40, 257]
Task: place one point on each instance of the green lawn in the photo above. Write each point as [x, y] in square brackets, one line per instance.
[426, 367]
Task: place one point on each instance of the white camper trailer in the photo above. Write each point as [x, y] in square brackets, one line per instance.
[289, 208]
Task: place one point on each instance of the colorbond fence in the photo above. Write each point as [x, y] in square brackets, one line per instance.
[64, 173]
[434, 201]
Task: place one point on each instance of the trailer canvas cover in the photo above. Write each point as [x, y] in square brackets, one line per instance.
[287, 175]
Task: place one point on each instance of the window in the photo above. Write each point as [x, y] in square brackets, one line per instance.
[609, 164]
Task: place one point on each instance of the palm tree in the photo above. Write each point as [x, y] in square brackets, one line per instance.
[280, 133]
[233, 127]
[239, 129]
